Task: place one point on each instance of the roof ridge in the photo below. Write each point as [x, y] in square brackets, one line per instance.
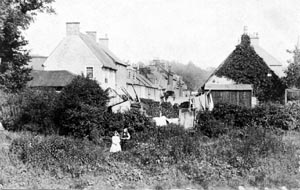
[100, 54]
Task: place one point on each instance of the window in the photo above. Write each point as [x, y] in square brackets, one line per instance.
[89, 72]
[106, 80]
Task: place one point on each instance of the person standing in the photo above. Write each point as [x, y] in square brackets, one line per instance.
[115, 146]
[125, 137]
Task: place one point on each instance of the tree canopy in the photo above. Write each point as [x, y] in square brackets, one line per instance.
[15, 16]
[245, 66]
[193, 76]
[80, 107]
[292, 78]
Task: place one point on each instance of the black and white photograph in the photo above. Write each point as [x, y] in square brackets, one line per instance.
[150, 94]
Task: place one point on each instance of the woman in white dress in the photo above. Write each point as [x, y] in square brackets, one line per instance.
[115, 146]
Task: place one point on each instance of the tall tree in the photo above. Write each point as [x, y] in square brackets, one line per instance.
[292, 78]
[193, 76]
[15, 16]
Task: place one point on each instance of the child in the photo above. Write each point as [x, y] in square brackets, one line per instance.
[115, 146]
[125, 137]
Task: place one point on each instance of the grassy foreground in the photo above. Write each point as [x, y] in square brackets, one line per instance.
[36, 162]
[14, 174]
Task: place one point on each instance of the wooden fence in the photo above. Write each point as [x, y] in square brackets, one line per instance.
[8, 111]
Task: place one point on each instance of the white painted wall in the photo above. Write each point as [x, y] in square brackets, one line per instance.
[73, 55]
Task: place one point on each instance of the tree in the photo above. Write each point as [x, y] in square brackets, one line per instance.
[80, 108]
[193, 76]
[36, 111]
[245, 66]
[15, 16]
[292, 78]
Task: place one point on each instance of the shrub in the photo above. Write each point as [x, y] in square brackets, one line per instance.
[80, 108]
[293, 109]
[153, 107]
[169, 111]
[138, 125]
[225, 117]
[211, 127]
[166, 108]
[36, 114]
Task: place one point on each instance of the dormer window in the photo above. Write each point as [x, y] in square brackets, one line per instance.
[90, 72]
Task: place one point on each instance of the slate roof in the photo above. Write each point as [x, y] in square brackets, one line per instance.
[112, 55]
[271, 62]
[103, 56]
[50, 78]
[141, 80]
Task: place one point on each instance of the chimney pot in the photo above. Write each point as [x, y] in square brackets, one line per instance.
[92, 35]
[72, 28]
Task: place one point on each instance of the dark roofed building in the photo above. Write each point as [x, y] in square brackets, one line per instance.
[50, 79]
[143, 87]
[243, 68]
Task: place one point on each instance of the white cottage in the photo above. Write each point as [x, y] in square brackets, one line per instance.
[80, 53]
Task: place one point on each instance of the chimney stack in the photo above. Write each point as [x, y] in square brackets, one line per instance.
[92, 35]
[104, 41]
[254, 39]
[73, 28]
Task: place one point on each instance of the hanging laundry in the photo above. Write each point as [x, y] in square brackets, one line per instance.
[202, 98]
[197, 105]
[210, 103]
[160, 121]
[203, 102]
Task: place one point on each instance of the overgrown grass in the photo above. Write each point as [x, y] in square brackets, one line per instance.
[252, 156]
[230, 146]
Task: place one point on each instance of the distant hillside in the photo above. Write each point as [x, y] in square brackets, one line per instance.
[192, 75]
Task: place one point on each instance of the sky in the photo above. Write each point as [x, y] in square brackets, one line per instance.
[201, 31]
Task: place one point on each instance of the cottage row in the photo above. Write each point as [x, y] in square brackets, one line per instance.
[82, 54]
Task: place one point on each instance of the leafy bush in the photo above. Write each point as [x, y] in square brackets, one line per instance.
[80, 108]
[170, 111]
[226, 117]
[153, 107]
[138, 125]
[166, 108]
[294, 110]
[37, 111]
[33, 111]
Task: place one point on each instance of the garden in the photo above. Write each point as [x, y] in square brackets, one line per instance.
[62, 140]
